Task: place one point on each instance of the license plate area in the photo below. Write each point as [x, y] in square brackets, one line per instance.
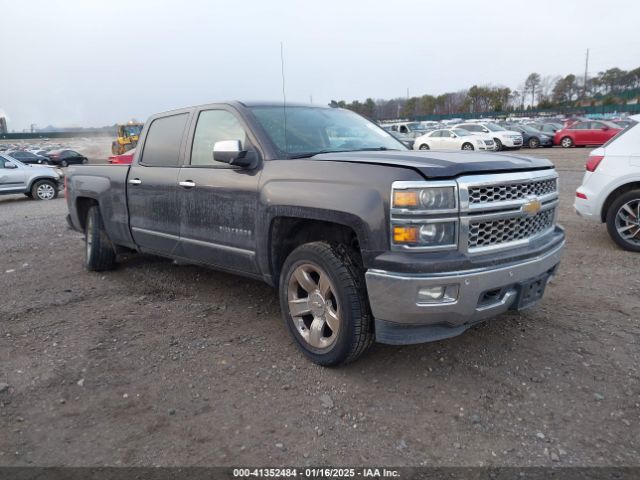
[531, 291]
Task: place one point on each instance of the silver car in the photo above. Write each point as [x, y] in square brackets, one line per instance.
[35, 181]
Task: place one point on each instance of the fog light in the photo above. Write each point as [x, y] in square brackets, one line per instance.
[438, 294]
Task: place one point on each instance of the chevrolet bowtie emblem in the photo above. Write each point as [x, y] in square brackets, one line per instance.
[532, 206]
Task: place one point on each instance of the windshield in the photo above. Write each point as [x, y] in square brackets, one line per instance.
[529, 129]
[310, 131]
[494, 127]
[461, 132]
[131, 130]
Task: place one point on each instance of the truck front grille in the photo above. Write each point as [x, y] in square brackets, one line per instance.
[484, 234]
[513, 191]
[506, 210]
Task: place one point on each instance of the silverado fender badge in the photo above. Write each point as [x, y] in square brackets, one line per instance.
[532, 206]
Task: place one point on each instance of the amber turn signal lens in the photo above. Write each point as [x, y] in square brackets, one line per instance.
[403, 198]
[405, 234]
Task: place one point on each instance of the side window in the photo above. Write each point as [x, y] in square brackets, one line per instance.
[580, 126]
[1, 162]
[214, 126]
[162, 145]
[403, 129]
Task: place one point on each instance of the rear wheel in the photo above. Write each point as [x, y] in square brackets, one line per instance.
[534, 142]
[99, 253]
[424, 146]
[566, 142]
[467, 146]
[44, 190]
[623, 221]
[324, 303]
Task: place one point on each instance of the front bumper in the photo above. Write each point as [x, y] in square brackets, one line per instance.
[511, 142]
[482, 293]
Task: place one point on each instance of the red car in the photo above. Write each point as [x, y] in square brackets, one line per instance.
[588, 132]
[123, 159]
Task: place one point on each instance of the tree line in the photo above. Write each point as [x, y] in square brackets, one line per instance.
[536, 92]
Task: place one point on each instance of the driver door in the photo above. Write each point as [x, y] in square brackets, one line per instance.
[12, 179]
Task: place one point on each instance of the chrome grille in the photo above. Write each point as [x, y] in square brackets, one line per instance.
[513, 191]
[487, 233]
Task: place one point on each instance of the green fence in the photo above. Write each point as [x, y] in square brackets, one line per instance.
[591, 110]
[66, 134]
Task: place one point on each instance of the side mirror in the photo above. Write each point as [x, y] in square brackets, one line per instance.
[230, 151]
[10, 166]
[452, 135]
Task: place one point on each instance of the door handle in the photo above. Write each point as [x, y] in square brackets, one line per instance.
[135, 181]
[187, 183]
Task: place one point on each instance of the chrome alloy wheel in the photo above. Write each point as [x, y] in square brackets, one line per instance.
[313, 306]
[45, 191]
[627, 222]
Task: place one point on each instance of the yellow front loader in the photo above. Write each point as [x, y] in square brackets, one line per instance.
[128, 135]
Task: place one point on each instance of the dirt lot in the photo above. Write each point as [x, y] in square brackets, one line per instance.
[158, 364]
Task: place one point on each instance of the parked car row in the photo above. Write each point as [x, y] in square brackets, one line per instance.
[62, 157]
[512, 133]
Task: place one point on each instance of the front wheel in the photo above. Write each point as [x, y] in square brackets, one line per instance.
[467, 146]
[424, 146]
[44, 190]
[623, 221]
[99, 254]
[566, 142]
[64, 163]
[534, 142]
[324, 303]
[499, 146]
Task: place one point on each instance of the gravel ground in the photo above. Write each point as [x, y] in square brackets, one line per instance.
[159, 364]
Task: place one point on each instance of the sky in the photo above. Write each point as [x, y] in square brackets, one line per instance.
[95, 63]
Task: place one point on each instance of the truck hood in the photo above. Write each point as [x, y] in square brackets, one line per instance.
[432, 164]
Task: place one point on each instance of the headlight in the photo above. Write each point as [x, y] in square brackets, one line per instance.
[432, 234]
[432, 198]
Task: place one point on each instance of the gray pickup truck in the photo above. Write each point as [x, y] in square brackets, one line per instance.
[364, 239]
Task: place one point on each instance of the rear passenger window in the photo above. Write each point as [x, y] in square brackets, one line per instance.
[162, 145]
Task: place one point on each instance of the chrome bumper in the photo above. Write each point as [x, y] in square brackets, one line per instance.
[394, 297]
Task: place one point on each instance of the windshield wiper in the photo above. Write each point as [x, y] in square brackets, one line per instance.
[313, 154]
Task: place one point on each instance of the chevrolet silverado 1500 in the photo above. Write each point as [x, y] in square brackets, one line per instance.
[364, 239]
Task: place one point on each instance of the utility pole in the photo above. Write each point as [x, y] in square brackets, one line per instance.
[586, 72]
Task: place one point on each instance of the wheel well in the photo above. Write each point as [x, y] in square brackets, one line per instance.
[37, 179]
[615, 194]
[466, 143]
[289, 233]
[83, 204]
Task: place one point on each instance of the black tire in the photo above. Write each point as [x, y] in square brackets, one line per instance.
[99, 254]
[64, 163]
[467, 146]
[46, 162]
[499, 145]
[355, 334]
[44, 190]
[612, 213]
[534, 142]
[85, 160]
[28, 194]
[566, 142]
[424, 146]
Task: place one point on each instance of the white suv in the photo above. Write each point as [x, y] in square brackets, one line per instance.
[503, 138]
[610, 190]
